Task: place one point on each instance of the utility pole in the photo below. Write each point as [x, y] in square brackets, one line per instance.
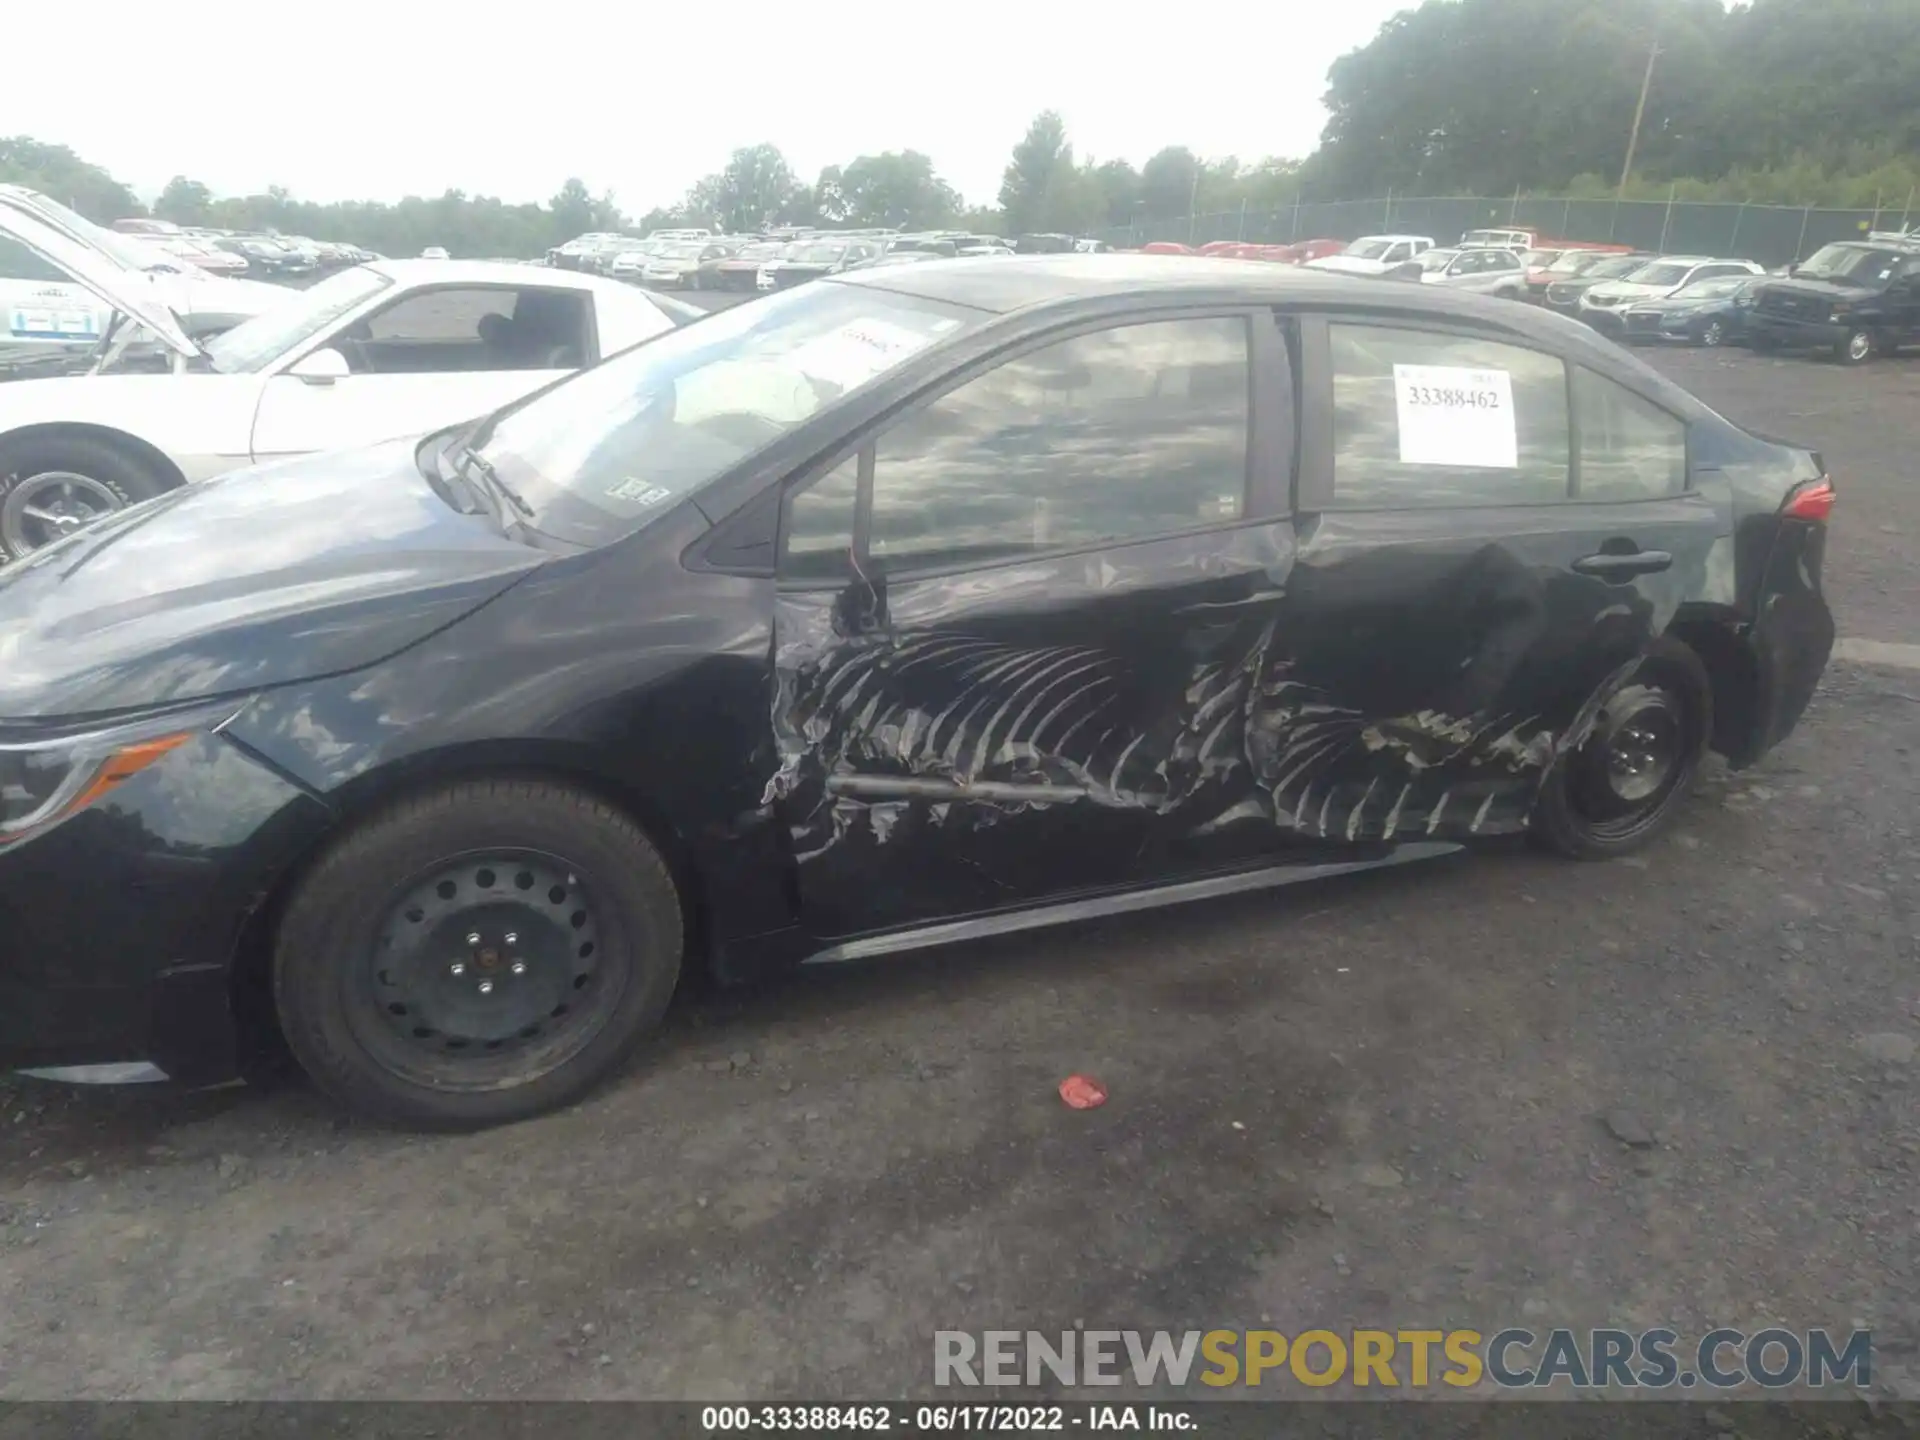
[1639, 113]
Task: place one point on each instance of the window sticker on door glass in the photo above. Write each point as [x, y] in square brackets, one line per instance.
[638, 492]
[1451, 415]
[854, 353]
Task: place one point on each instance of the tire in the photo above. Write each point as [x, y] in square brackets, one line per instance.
[1713, 334]
[1582, 812]
[1858, 347]
[398, 967]
[99, 478]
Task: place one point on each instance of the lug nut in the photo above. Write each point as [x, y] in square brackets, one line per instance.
[459, 967]
[513, 938]
[486, 987]
[519, 967]
[473, 938]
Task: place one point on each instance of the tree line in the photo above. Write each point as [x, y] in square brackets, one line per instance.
[1776, 101]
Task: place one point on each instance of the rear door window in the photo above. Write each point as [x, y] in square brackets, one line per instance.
[1424, 418]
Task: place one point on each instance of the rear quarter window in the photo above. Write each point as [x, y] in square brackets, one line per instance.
[1630, 449]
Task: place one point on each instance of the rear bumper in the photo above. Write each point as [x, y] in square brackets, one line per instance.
[1792, 637]
[119, 929]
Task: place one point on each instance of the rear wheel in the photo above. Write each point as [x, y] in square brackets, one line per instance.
[52, 487]
[1625, 782]
[1857, 348]
[477, 955]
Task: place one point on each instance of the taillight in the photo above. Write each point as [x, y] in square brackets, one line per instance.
[1812, 501]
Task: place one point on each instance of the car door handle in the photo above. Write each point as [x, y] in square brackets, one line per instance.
[1616, 567]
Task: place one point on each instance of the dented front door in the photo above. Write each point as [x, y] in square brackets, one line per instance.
[971, 742]
[1033, 673]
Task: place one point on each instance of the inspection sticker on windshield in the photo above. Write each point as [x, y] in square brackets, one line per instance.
[1450, 415]
[854, 353]
[638, 492]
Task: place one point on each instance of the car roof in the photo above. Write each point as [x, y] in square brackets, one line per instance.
[1003, 285]
[485, 272]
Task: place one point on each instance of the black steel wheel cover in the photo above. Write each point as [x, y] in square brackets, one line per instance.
[482, 970]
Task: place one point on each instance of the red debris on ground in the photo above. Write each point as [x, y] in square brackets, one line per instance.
[1083, 1092]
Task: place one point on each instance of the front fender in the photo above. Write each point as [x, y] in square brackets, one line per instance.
[203, 424]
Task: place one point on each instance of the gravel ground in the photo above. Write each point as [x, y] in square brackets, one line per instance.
[1495, 1090]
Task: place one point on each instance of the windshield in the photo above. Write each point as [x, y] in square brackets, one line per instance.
[1717, 289]
[1617, 268]
[819, 254]
[679, 251]
[1437, 259]
[762, 250]
[1369, 249]
[598, 455]
[1576, 262]
[1659, 273]
[1850, 262]
[254, 344]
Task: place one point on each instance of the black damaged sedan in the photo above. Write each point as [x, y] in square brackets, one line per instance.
[911, 605]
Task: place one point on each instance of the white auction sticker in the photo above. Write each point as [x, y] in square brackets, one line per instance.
[639, 492]
[1450, 415]
[854, 353]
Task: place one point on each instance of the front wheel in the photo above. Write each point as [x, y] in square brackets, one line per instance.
[1713, 334]
[1857, 348]
[52, 487]
[1628, 778]
[478, 954]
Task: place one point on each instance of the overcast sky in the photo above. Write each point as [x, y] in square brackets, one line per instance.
[643, 97]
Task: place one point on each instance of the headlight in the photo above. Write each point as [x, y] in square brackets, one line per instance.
[42, 782]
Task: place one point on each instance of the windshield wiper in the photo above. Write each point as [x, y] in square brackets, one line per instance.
[470, 460]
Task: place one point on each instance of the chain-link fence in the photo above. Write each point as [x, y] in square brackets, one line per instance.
[1770, 234]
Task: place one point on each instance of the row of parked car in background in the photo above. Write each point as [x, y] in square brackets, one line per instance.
[256, 255]
[698, 259]
[1854, 299]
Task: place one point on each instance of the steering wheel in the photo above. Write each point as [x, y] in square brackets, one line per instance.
[352, 344]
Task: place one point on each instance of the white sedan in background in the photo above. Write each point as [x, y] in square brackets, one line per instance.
[1375, 254]
[392, 348]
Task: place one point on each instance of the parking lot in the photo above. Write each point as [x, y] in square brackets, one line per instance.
[1499, 1089]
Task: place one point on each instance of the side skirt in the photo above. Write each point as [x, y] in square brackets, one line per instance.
[948, 932]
